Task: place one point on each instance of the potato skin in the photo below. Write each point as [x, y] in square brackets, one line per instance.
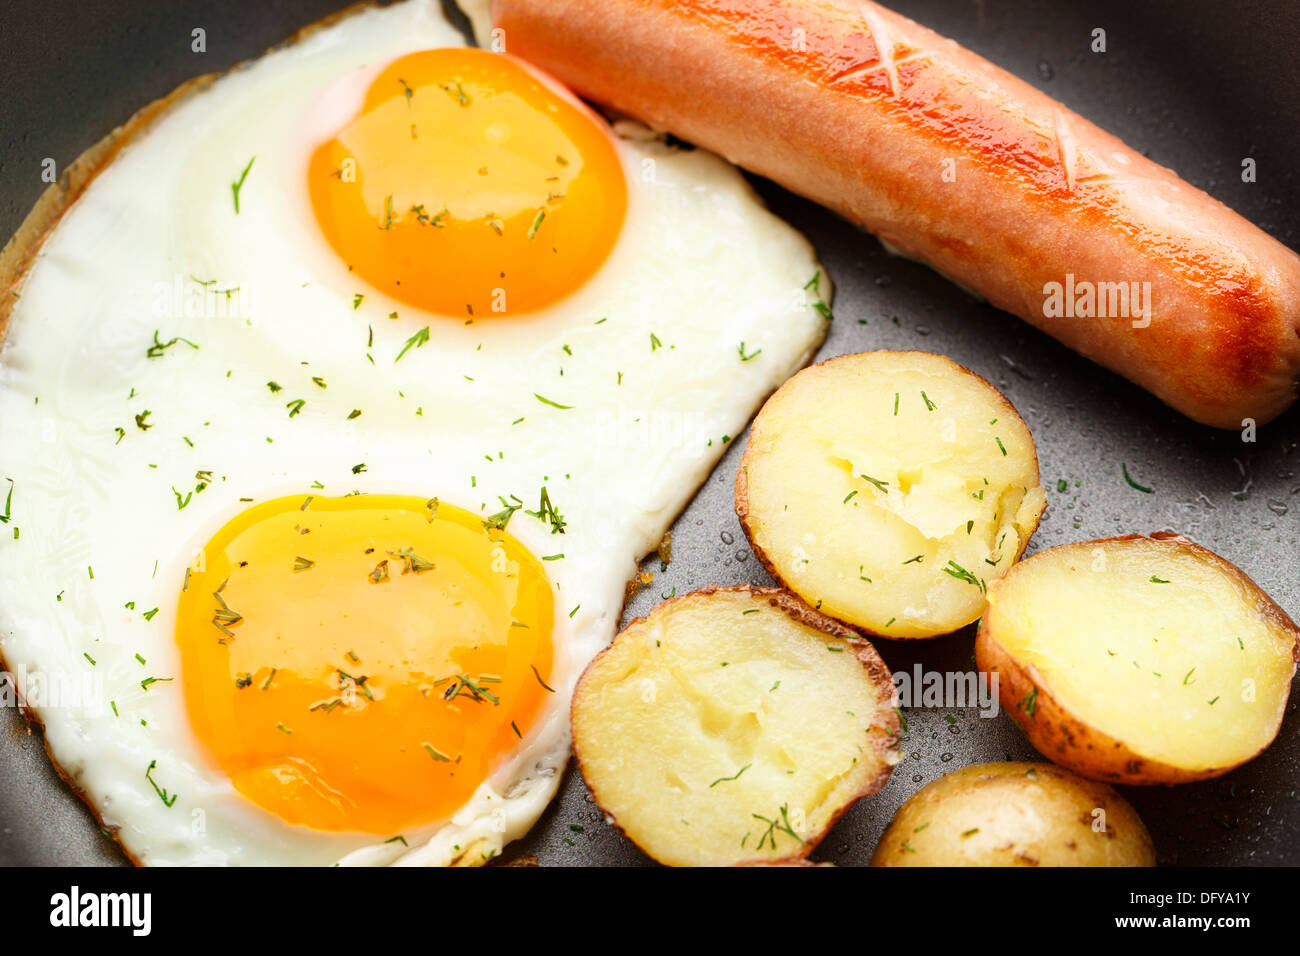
[749, 521]
[885, 735]
[1061, 736]
[977, 817]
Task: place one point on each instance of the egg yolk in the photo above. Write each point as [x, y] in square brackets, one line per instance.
[466, 186]
[363, 663]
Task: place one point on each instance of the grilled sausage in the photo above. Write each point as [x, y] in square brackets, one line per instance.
[955, 162]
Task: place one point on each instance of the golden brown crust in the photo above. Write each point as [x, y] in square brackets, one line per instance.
[748, 520]
[20, 252]
[863, 110]
[1059, 734]
[885, 727]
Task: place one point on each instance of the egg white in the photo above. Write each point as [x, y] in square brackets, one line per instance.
[653, 375]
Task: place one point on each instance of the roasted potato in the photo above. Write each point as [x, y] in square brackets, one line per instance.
[1015, 814]
[888, 489]
[733, 725]
[1139, 659]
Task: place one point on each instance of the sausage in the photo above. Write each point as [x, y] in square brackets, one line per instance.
[955, 162]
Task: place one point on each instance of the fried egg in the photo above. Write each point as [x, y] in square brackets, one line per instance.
[334, 418]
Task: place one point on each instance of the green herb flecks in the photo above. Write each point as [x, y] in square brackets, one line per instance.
[462, 686]
[414, 342]
[814, 285]
[347, 683]
[547, 512]
[412, 563]
[538, 675]
[457, 93]
[160, 347]
[961, 574]
[537, 223]
[777, 824]
[1133, 484]
[168, 799]
[1029, 703]
[224, 617]
[735, 776]
[880, 485]
[498, 521]
[238, 184]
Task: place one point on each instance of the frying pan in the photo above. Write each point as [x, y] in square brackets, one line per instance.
[1194, 85]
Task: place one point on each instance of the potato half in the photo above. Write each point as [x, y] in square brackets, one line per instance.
[733, 725]
[1139, 659]
[1015, 814]
[888, 489]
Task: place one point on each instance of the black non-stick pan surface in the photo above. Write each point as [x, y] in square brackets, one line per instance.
[1199, 85]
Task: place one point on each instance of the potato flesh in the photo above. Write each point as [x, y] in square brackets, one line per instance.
[1191, 673]
[943, 490]
[685, 700]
